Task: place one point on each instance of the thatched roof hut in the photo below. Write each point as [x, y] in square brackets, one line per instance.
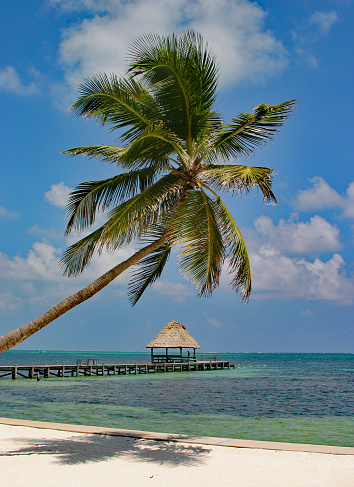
[173, 335]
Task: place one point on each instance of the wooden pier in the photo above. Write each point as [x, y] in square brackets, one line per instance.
[45, 371]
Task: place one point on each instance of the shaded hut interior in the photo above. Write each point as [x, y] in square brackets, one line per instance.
[174, 344]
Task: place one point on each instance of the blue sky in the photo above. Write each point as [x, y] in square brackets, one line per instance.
[301, 250]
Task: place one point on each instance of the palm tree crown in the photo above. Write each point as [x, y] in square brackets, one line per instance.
[176, 154]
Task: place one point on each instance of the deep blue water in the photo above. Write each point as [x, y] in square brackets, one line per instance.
[306, 398]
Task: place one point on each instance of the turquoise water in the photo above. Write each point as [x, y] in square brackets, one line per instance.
[302, 398]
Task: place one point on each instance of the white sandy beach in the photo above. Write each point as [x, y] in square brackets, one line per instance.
[32, 456]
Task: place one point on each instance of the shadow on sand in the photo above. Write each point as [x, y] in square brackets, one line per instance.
[97, 448]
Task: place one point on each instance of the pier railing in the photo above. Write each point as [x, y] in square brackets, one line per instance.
[162, 358]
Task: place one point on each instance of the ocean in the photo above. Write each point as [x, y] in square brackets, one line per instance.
[288, 397]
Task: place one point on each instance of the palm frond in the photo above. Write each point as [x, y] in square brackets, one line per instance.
[119, 102]
[126, 222]
[195, 229]
[90, 197]
[132, 219]
[153, 145]
[183, 75]
[239, 264]
[123, 157]
[78, 256]
[240, 179]
[248, 131]
[106, 153]
[213, 123]
[148, 271]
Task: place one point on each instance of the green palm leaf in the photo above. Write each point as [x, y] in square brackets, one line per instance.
[119, 102]
[128, 221]
[239, 264]
[240, 179]
[90, 197]
[148, 271]
[78, 256]
[183, 75]
[107, 153]
[248, 131]
[195, 229]
[132, 219]
[153, 145]
[123, 157]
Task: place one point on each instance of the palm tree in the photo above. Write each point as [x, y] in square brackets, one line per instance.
[177, 153]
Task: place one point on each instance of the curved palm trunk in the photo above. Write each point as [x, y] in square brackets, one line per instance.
[17, 336]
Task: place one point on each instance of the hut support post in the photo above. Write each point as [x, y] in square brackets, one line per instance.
[180, 350]
[152, 355]
[166, 354]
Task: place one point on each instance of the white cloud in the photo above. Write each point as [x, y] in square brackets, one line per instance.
[291, 237]
[11, 83]
[281, 268]
[37, 278]
[324, 20]
[8, 302]
[213, 322]
[176, 289]
[322, 195]
[42, 263]
[104, 262]
[8, 213]
[307, 312]
[44, 232]
[312, 31]
[58, 194]
[235, 30]
[348, 202]
[279, 276]
[307, 56]
[77, 5]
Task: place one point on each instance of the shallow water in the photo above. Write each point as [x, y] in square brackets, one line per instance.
[303, 398]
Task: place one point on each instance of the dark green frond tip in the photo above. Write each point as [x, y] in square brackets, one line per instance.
[148, 271]
[78, 256]
[283, 110]
[240, 179]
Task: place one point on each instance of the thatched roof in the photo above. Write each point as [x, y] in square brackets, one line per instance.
[173, 335]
